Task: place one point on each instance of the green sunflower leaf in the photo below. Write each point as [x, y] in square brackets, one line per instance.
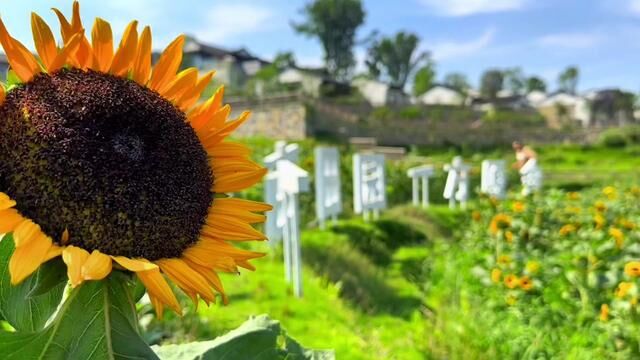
[29, 305]
[259, 338]
[97, 321]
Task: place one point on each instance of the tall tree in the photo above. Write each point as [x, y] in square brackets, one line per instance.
[284, 60]
[514, 80]
[394, 58]
[457, 81]
[535, 83]
[334, 23]
[491, 83]
[423, 81]
[568, 79]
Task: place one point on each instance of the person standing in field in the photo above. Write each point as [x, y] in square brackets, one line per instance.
[527, 165]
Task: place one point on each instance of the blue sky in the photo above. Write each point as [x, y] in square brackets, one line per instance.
[602, 37]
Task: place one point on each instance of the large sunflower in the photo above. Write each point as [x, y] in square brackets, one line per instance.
[109, 162]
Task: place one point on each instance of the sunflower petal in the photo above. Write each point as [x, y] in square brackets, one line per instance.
[134, 265]
[158, 306]
[158, 288]
[65, 53]
[20, 58]
[27, 259]
[26, 232]
[215, 122]
[97, 267]
[126, 53]
[9, 220]
[186, 278]
[5, 201]
[238, 181]
[102, 42]
[248, 205]
[82, 57]
[211, 276]
[190, 97]
[142, 63]
[44, 40]
[226, 130]
[167, 65]
[229, 150]
[75, 258]
[54, 251]
[3, 94]
[201, 114]
[184, 81]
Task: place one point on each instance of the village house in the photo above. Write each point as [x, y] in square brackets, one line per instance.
[440, 94]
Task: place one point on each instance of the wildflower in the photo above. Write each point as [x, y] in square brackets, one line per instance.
[508, 235]
[532, 267]
[511, 300]
[567, 229]
[518, 207]
[609, 192]
[625, 223]
[599, 221]
[573, 195]
[633, 301]
[600, 206]
[499, 222]
[511, 281]
[635, 191]
[632, 268]
[504, 260]
[573, 210]
[476, 216]
[105, 159]
[526, 283]
[496, 275]
[623, 289]
[617, 235]
[604, 312]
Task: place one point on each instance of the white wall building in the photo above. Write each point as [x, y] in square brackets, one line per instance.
[442, 95]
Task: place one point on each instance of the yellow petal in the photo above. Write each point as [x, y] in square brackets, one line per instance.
[97, 266]
[9, 220]
[210, 275]
[190, 97]
[184, 81]
[27, 258]
[158, 306]
[238, 181]
[233, 214]
[65, 27]
[134, 265]
[158, 288]
[186, 278]
[5, 201]
[75, 259]
[3, 95]
[20, 58]
[215, 123]
[43, 39]
[226, 130]
[229, 150]
[65, 53]
[168, 64]
[248, 205]
[201, 114]
[102, 42]
[26, 232]
[126, 53]
[82, 57]
[142, 63]
[54, 251]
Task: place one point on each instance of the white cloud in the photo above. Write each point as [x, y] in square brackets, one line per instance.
[634, 6]
[451, 49]
[228, 20]
[472, 7]
[570, 40]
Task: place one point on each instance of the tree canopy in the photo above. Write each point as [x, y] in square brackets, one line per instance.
[491, 83]
[568, 79]
[535, 83]
[334, 23]
[394, 59]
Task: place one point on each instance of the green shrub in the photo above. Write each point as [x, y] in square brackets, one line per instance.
[367, 239]
[397, 233]
[613, 138]
[411, 112]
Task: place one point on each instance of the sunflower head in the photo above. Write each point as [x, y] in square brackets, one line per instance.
[104, 157]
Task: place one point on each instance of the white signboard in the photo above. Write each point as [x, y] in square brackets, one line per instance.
[369, 184]
[282, 151]
[494, 178]
[457, 186]
[328, 195]
[420, 175]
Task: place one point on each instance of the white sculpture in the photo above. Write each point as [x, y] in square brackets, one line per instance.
[494, 178]
[457, 186]
[282, 151]
[418, 175]
[328, 194]
[369, 185]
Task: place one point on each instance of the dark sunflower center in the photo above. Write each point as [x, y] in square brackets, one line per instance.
[107, 159]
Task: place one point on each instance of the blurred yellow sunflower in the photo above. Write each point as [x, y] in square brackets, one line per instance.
[604, 312]
[617, 235]
[496, 275]
[518, 207]
[499, 222]
[567, 229]
[110, 162]
[525, 283]
[632, 268]
[623, 289]
[511, 281]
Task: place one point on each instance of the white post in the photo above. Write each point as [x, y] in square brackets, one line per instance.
[420, 175]
[493, 180]
[457, 186]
